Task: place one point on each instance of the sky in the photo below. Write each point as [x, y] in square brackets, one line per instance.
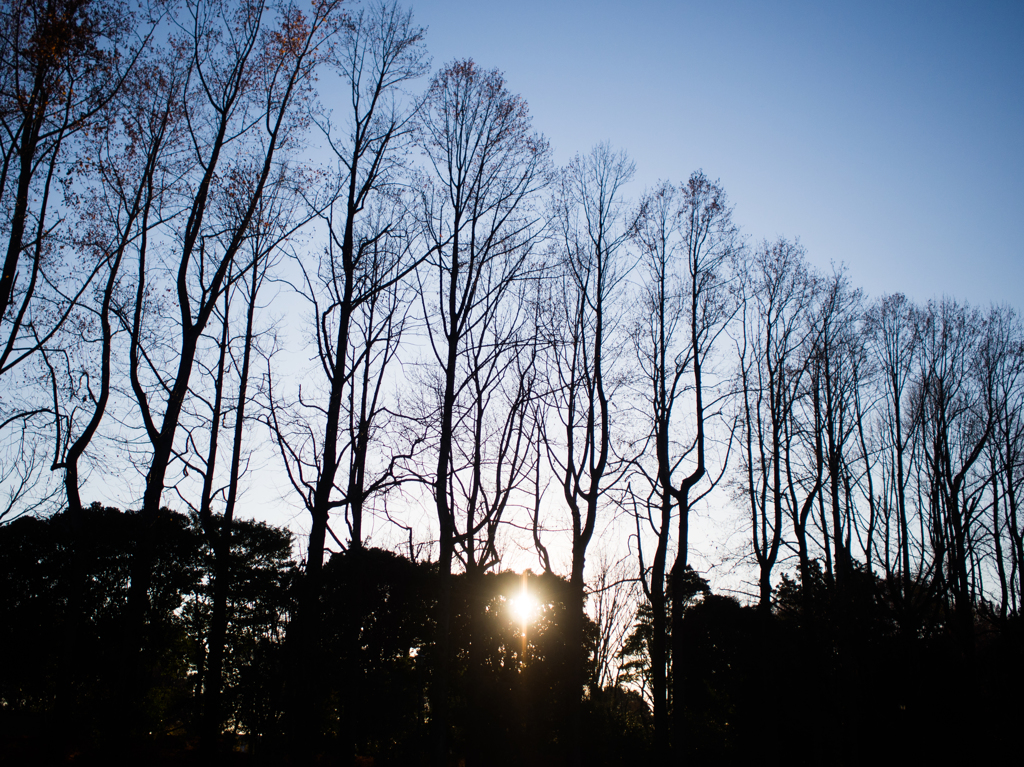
[887, 136]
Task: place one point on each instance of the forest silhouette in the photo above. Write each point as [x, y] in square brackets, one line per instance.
[857, 672]
[256, 244]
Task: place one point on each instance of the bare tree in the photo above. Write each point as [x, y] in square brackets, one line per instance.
[836, 353]
[129, 160]
[774, 359]
[664, 357]
[956, 373]
[24, 466]
[710, 245]
[891, 327]
[62, 62]
[592, 227]
[246, 79]
[222, 392]
[1002, 354]
[358, 302]
[614, 594]
[479, 227]
[125, 161]
[355, 288]
[686, 239]
[1007, 456]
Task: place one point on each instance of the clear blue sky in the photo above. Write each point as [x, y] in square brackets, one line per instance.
[886, 135]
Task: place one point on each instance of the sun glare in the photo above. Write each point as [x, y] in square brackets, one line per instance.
[524, 607]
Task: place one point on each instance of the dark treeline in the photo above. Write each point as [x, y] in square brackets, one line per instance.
[838, 664]
[252, 244]
[376, 646]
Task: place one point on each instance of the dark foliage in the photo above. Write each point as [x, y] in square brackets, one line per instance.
[62, 636]
[63, 610]
[845, 670]
[377, 622]
[835, 669]
[518, 691]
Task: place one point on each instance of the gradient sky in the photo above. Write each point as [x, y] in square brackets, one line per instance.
[888, 136]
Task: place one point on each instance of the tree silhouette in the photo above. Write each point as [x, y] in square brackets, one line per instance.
[484, 167]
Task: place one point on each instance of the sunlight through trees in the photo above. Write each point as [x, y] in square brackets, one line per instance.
[267, 256]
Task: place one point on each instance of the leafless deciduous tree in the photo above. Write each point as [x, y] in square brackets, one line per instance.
[62, 62]
[710, 244]
[956, 422]
[223, 391]
[614, 594]
[479, 226]
[1006, 454]
[1004, 354]
[686, 240]
[780, 480]
[837, 365]
[246, 77]
[591, 223]
[129, 164]
[355, 292]
[891, 329]
[357, 296]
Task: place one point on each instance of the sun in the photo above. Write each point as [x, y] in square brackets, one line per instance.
[524, 607]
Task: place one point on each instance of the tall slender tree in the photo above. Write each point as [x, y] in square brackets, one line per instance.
[956, 424]
[378, 54]
[226, 390]
[477, 207]
[357, 298]
[682, 309]
[836, 353]
[592, 228]
[246, 79]
[891, 328]
[774, 359]
[711, 243]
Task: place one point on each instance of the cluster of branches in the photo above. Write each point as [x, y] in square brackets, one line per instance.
[480, 325]
[881, 431]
